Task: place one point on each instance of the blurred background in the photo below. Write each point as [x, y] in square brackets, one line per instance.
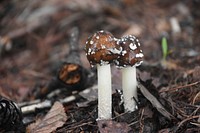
[34, 34]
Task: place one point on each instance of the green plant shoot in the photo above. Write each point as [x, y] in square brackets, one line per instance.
[164, 48]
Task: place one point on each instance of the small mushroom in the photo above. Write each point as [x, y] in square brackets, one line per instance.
[130, 57]
[101, 50]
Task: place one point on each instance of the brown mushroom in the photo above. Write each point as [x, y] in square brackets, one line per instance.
[130, 57]
[101, 50]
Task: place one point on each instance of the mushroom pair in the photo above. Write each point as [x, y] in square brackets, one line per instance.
[102, 49]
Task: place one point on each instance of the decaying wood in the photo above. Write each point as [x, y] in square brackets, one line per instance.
[155, 102]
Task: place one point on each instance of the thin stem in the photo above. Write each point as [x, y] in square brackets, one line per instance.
[104, 92]
[129, 86]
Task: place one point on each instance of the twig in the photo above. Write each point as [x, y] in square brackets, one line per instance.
[133, 123]
[119, 115]
[30, 107]
[141, 122]
[83, 124]
[38, 104]
[195, 111]
[187, 119]
[180, 87]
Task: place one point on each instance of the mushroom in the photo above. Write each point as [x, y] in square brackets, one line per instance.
[101, 50]
[130, 57]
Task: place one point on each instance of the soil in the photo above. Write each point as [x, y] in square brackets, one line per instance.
[38, 49]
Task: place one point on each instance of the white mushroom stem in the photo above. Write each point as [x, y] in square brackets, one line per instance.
[129, 87]
[104, 92]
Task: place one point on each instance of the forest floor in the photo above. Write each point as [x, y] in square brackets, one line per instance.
[35, 44]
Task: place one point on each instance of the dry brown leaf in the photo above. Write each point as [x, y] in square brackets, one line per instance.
[55, 118]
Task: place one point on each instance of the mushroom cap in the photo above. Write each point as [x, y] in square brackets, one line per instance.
[131, 54]
[101, 48]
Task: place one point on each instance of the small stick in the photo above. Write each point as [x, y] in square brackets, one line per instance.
[187, 119]
[31, 108]
[180, 87]
[38, 104]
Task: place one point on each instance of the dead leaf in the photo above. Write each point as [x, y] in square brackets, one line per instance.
[55, 118]
[109, 126]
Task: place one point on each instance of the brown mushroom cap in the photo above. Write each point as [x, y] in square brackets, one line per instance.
[131, 54]
[101, 48]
